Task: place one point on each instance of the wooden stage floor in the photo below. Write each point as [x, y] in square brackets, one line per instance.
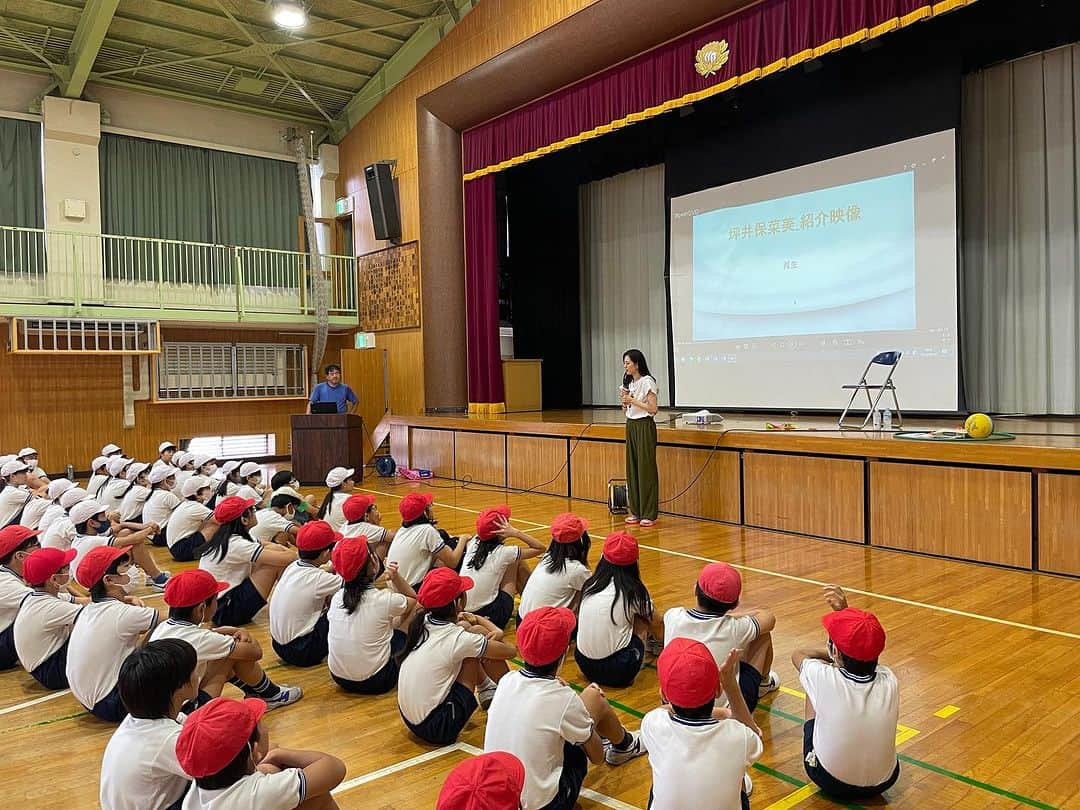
[986, 660]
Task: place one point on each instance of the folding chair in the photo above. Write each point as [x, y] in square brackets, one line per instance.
[890, 360]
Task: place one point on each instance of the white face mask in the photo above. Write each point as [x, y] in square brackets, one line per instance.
[210, 469]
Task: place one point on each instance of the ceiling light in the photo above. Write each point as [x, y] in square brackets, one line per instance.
[288, 13]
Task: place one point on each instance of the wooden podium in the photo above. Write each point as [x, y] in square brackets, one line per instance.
[321, 441]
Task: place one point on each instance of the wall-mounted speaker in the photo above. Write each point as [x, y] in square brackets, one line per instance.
[383, 201]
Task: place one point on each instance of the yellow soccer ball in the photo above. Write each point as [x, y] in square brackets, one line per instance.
[979, 426]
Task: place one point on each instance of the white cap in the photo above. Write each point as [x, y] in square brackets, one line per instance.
[13, 467]
[5, 459]
[161, 472]
[27, 451]
[202, 458]
[135, 469]
[84, 510]
[118, 465]
[182, 458]
[161, 448]
[98, 463]
[249, 468]
[59, 487]
[336, 477]
[287, 491]
[193, 485]
[109, 449]
[73, 496]
[229, 466]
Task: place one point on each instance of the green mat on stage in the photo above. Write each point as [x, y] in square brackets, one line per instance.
[925, 436]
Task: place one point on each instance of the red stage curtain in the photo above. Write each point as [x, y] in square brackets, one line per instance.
[482, 297]
[761, 40]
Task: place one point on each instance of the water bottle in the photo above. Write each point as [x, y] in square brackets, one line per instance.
[886, 420]
[70, 472]
[877, 419]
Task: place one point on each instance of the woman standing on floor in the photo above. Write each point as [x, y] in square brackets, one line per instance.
[638, 399]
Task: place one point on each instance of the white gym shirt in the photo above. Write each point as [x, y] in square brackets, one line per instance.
[721, 634]
[487, 580]
[429, 671]
[42, 626]
[186, 519]
[265, 791]
[159, 507]
[414, 549]
[598, 636]
[105, 634]
[268, 525]
[547, 589]
[359, 642]
[298, 599]
[209, 646]
[140, 769]
[236, 565]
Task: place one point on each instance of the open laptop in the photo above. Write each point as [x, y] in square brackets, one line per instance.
[324, 407]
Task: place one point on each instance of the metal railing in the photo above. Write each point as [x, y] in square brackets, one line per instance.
[39, 266]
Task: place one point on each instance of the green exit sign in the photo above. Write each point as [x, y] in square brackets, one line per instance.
[365, 340]
[343, 206]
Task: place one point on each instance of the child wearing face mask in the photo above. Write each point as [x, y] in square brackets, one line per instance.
[16, 544]
[251, 568]
[94, 527]
[46, 616]
[111, 627]
[162, 501]
[191, 523]
[275, 524]
[285, 481]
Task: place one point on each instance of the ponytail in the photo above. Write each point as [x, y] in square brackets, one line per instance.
[327, 502]
[418, 629]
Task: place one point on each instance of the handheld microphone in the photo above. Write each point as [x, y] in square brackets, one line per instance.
[626, 380]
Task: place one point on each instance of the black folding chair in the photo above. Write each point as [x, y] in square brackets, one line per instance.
[889, 360]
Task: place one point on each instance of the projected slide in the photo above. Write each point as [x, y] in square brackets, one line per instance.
[783, 286]
[837, 260]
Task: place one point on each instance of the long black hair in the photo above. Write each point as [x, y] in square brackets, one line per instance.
[483, 549]
[353, 590]
[328, 501]
[558, 553]
[423, 518]
[218, 545]
[231, 478]
[638, 359]
[418, 629]
[629, 589]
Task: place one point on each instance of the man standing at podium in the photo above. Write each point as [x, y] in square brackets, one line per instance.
[333, 390]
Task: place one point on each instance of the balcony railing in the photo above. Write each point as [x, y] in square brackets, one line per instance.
[92, 270]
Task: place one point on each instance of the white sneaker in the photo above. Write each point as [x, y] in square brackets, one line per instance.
[617, 756]
[771, 685]
[485, 693]
[747, 784]
[287, 695]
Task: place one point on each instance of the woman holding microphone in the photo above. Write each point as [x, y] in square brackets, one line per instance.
[638, 398]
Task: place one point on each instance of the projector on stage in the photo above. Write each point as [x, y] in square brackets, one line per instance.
[701, 418]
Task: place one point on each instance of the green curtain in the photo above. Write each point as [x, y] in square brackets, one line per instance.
[169, 191]
[22, 197]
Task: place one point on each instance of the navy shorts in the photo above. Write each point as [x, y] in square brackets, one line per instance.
[183, 550]
[829, 784]
[110, 708]
[52, 672]
[618, 669]
[574, 767]
[749, 683]
[499, 611]
[159, 539]
[8, 657]
[239, 606]
[382, 681]
[445, 722]
[306, 650]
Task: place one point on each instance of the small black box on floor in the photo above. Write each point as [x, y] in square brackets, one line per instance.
[616, 496]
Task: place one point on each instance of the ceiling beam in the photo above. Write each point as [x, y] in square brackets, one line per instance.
[90, 33]
[397, 67]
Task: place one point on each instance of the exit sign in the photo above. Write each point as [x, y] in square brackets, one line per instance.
[343, 206]
[365, 340]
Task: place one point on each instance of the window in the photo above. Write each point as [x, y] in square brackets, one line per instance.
[223, 447]
[189, 371]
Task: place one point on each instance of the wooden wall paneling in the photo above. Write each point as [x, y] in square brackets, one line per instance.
[716, 493]
[592, 465]
[532, 460]
[363, 370]
[432, 450]
[480, 457]
[805, 494]
[399, 445]
[962, 512]
[1059, 519]
[405, 363]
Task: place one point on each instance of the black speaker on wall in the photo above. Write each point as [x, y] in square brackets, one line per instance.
[383, 201]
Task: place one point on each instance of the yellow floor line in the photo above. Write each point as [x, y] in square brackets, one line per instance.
[903, 733]
[793, 692]
[946, 711]
[792, 799]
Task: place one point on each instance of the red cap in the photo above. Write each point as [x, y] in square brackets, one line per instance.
[441, 587]
[488, 782]
[214, 734]
[413, 505]
[93, 566]
[11, 537]
[544, 634]
[620, 548]
[231, 508]
[721, 582]
[487, 524]
[688, 673]
[44, 562]
[356, 506]
[350, 556]
[315, 535]
[856, 633]
[568, 528]
[190, 588]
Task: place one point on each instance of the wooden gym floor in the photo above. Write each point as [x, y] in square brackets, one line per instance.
[986, 658]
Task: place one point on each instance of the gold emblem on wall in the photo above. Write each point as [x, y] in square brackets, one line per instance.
[711, 57]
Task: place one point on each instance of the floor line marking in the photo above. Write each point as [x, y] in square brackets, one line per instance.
[27, 704]
[946, 711]
[405, 764]
[792, 799]
[787, 690]
[904, 733]
[899, 600]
